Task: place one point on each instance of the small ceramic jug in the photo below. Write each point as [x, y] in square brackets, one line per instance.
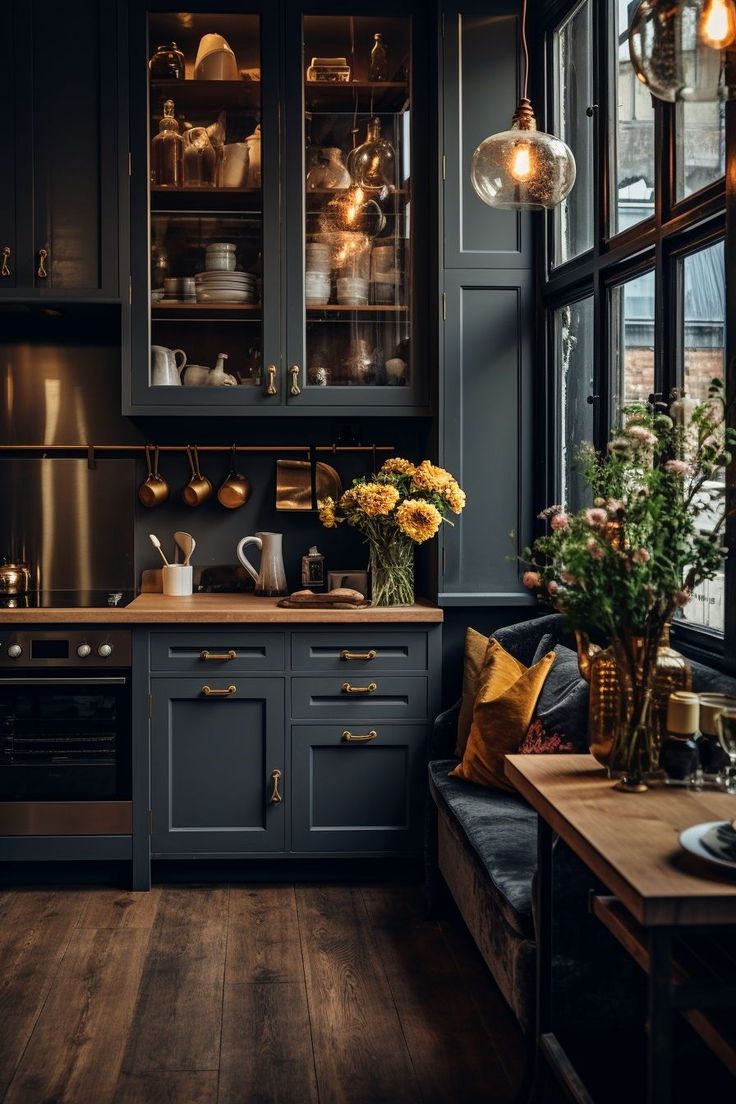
[271, 579]
[165, 368]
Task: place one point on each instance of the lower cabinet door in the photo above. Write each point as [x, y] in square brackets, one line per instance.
[357, 789]
[217, 765]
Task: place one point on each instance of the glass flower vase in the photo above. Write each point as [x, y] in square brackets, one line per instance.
[632, 753]
[392, 570]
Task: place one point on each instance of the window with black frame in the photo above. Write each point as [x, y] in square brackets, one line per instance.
[635, 289]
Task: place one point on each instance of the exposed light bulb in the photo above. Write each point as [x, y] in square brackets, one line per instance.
[521, 164]
[718, 24]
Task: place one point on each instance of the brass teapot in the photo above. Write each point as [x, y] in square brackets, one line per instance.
[15, 578]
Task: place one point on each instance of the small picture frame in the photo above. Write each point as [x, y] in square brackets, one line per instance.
[354, 580]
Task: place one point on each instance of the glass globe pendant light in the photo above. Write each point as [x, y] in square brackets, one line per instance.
[677, 48]
[523, 169]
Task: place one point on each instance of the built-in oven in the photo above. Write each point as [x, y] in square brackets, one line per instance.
[65, 732]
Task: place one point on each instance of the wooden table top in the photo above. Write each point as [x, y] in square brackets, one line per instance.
[631, 841]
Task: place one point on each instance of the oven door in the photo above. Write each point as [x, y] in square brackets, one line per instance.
[65, 753]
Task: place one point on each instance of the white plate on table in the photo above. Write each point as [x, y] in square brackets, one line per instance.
[691, 840]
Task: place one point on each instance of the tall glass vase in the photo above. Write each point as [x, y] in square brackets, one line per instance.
[632, 751]
[392, 570]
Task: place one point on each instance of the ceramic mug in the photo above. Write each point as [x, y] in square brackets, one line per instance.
[176, 580]
[155, 489]
[199, 488]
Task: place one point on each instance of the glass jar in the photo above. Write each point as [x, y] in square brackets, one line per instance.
[373, 164]
[327, 172]
[167, 151]
[200, 159]
[167, 63]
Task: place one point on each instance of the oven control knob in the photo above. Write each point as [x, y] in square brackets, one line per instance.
[83, 651]
[14, 650]
[104, 650]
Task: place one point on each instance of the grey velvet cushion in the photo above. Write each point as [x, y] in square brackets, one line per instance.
[502, 831]
[708, 681]
[561, 717]
[527, 638]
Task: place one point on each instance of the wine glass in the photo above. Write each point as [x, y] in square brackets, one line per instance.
[726, 722]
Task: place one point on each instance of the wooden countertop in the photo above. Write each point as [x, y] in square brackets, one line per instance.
[155, 609]
[631, 841]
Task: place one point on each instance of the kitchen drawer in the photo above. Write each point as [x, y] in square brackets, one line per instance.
[182, 653]
[399, 697]
[354, 650]
[357, 795]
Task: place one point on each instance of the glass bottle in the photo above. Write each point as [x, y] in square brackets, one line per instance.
[373, 164]
[200, 160]
[167, 151]
[673, 673]
[167, 63]
[379, 60]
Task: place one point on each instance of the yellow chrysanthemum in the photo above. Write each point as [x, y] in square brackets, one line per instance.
[326, 510]
[376, 499]
[428, 477]
[396, 465]
[418, 519]
[454, 496]
[349, 499]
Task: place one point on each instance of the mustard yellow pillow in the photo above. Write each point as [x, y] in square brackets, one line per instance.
[476, 646]
[504, 707]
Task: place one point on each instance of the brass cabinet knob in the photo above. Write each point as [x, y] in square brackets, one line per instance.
[209, 692]
[271, 388]
[276, 795]
[43, 256]
[358, 737]
[347, 688]
[5, 267]
[295, 371]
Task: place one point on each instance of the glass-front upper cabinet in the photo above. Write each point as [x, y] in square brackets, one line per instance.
[353, 214]
[205, 284]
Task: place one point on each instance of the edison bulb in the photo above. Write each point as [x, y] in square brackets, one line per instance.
[676, 48]
[718, 24]
[523, 169]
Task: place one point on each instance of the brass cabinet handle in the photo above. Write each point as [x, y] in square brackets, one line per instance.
[208, 692]
[276, 796]
[369, 689]
[41, 272]
[371, 654]
[229, 654]
[271, 388]
[359, 738]
[295, 389]
[5, 269]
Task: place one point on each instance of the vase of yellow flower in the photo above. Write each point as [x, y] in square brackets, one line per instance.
[402, 505]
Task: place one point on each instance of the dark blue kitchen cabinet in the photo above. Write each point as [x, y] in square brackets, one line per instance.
[217, 766]
[59, 192]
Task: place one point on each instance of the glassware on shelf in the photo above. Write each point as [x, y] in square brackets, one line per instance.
[327, 172]
[200, 159]
[727, 736]
[379, 60]
[253, 142]
[167, 151]
[373, 164]
[167, 63]
[359, 363]
[216, 135]
[159, 266]
[235, 165]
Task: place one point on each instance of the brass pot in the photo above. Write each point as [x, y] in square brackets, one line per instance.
[15, 578]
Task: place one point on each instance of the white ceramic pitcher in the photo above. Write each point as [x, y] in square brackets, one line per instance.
[271, 579]
[165, 368]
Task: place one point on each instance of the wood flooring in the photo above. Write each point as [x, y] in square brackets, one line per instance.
[246, 995]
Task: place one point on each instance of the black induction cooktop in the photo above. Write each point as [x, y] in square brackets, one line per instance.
[68, 599]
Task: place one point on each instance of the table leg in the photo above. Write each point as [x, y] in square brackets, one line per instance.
[540, 1081]
[659, 1039]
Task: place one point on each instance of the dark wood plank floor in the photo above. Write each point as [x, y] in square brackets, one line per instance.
[246, 995]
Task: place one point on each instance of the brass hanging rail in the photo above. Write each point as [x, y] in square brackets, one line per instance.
[86, 449]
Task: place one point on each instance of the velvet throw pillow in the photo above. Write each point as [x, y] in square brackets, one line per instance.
[504, 706]
[476, 646]
[561, 719]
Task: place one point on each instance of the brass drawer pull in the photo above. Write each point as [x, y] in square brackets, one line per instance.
[369, 689]
[359, 655]
[276, 795]
[5, 269]
[42, 258]
[208, 692]
[271, 388]
[229, 654]
[359, 738]
[294, 371]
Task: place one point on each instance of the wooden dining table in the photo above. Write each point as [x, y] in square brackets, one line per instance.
[669, 909]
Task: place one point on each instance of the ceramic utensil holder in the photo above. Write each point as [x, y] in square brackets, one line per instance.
[177, 580]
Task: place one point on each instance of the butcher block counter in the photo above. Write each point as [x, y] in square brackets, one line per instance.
[156, 609]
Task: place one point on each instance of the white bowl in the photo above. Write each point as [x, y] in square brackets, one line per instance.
[223, 295]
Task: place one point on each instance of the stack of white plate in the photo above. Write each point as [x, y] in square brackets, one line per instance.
[226, 287]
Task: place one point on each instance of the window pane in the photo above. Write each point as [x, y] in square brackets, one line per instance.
[574, 356]
[701, 146]
[632, 315]
[632, 136]
[704, 311]
[573, 54]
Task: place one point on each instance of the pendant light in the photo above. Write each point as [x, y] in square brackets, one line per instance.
[523, 169]
[677, 48]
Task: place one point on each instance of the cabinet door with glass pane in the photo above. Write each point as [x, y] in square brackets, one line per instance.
[355, 213]
[205, 289]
